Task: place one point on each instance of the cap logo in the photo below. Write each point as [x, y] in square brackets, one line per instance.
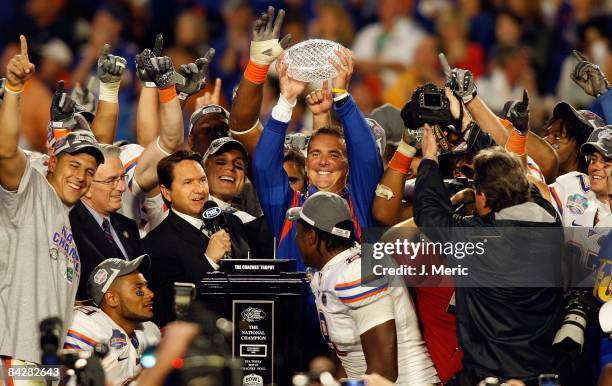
[211, 213]
[82, 138]
[100, 276]
[341, 232]
[605, 135]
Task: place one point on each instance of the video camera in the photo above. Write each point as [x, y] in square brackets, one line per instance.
[80, 368]
[209, 358]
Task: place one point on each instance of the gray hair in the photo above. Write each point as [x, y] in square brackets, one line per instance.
[110, 150]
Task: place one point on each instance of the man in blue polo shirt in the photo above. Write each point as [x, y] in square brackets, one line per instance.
[342, 161]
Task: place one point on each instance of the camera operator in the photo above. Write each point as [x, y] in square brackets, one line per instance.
[121, 317]
[529, 317]
[434, 106]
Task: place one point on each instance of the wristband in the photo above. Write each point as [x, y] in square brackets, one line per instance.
[161, 149]
[256, 73]
[517, 143]
[400, 163]
[341, 96]
[167, 94]
[405, 149]
[283, 109]
[339, 91]
[14, 91]
[109, 92]
[234, 132]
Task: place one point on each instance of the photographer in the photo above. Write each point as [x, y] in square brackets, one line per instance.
[434, 106]
[528, 317]
[121, 318]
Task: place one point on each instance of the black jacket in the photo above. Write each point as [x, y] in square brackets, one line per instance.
[177, 255]
[510, 306]
[93, 246]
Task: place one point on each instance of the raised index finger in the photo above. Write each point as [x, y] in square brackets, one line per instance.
[448, 72]
[24, 46]
[525, 98]
[579, 56]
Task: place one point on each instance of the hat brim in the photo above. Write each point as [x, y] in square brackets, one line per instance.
[141, 264]
[293, 214]
[229, 145]
[89, 149]
[591, 147]
[564, 110]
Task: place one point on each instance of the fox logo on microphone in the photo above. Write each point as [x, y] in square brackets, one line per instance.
[211, 213]
[252, 380]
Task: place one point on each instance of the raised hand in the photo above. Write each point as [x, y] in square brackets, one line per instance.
[210, 98]
[460, 81]
[84, 97]
[517, 112]
[290, 88]
[157, 68]
[413, 137]
[62, 108]
[195, 75]
[110, 67]
[145, 76]
[429, 145]
[344, 68]
[19, 68]
[320, 101]
[265, 46]
[589, 76]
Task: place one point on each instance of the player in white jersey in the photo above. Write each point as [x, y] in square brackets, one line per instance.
[121, 319]
[361, 319]
[582, 201]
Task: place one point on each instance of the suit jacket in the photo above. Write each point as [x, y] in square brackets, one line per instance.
[92, 244]
[177, 249]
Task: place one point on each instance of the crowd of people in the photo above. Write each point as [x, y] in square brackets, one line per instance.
[101, 208]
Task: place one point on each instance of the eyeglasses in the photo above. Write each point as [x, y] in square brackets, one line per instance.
[112, 182]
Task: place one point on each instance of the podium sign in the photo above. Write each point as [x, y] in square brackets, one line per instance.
[253, 340]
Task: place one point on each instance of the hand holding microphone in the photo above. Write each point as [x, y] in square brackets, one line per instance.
[220, 244]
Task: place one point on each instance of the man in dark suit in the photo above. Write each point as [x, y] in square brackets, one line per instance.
[179, 247]
[99, 231]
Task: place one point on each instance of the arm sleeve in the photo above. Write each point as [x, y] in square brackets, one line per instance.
[604, 106]
[271, 181]
[557, 192]
[372, 314]
[356, 291]
[432, 206]
[84, 333]
[365, 163]
[19, 201]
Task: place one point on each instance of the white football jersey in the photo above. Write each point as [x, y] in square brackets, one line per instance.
[348, 307]
[573, 198]
[122, 363]
[577, 204]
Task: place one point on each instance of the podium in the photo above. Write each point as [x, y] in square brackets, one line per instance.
[265, 300]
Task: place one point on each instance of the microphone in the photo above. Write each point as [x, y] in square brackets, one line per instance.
[214, 220]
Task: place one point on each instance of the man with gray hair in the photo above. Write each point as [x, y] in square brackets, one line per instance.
[100, 232]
